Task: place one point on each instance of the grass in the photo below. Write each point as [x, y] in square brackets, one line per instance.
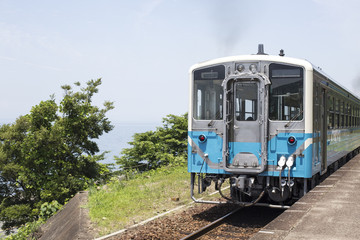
[120, 204]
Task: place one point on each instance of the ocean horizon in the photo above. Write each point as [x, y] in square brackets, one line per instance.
[117, 139]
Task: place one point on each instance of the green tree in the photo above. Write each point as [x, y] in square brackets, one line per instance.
[50, 153]
[153, 149]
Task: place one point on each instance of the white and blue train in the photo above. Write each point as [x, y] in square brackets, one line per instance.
[272, 126]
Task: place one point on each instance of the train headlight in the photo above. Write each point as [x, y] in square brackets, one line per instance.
[282, 161]
[240, 67]
[253, 68]
[292, 140]
[202, 138]
[290, 161]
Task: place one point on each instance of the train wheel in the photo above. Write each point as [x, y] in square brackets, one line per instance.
[315, 180]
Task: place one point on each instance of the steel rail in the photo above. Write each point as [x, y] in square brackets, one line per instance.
[202, 231]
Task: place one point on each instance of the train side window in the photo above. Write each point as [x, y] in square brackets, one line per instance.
[336, 121]
[336, 113]
[330, 103]
[341, 114]
[330, 112]
[349, 115]
[345, 114]
[354, 117]
[330, 121]
[337, 103]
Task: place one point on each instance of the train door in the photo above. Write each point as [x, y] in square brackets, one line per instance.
[320, 128]
[323, 130]
[245, 125]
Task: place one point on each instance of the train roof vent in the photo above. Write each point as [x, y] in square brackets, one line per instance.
[261, 50]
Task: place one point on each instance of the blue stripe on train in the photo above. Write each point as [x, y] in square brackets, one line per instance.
[277, 146]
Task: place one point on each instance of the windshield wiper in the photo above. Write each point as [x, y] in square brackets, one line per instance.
[296, 116]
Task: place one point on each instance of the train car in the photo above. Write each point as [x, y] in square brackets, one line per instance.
[272, 126]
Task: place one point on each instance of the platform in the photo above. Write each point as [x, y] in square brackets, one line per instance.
[329, 211]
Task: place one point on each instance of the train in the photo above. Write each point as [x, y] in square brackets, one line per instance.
[270, 126]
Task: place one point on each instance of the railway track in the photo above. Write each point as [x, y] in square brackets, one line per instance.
[204, 230]
[239, 223]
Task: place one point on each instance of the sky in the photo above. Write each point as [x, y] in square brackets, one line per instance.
[143, 49]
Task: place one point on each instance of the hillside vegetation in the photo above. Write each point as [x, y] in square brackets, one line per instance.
[122, 203]
[153, 178]
[50, 154]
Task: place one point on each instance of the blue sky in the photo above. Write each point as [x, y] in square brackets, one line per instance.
[143, 49]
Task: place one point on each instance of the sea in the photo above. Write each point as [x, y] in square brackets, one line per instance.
[118, 138]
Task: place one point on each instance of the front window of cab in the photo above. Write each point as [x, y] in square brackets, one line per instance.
[246, 98]
[208, 93]
[286, 92]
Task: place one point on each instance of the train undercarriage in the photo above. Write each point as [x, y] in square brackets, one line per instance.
[249, 190]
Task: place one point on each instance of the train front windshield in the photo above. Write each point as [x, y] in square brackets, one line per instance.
[286, 92]
[208, 103]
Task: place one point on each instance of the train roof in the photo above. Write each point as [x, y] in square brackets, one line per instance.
[271, 58]
[254, 57]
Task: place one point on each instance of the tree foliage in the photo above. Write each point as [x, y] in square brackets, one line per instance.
[50, 153]
[153, 149]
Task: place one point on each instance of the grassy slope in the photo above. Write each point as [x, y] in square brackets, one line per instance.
[123, 203]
